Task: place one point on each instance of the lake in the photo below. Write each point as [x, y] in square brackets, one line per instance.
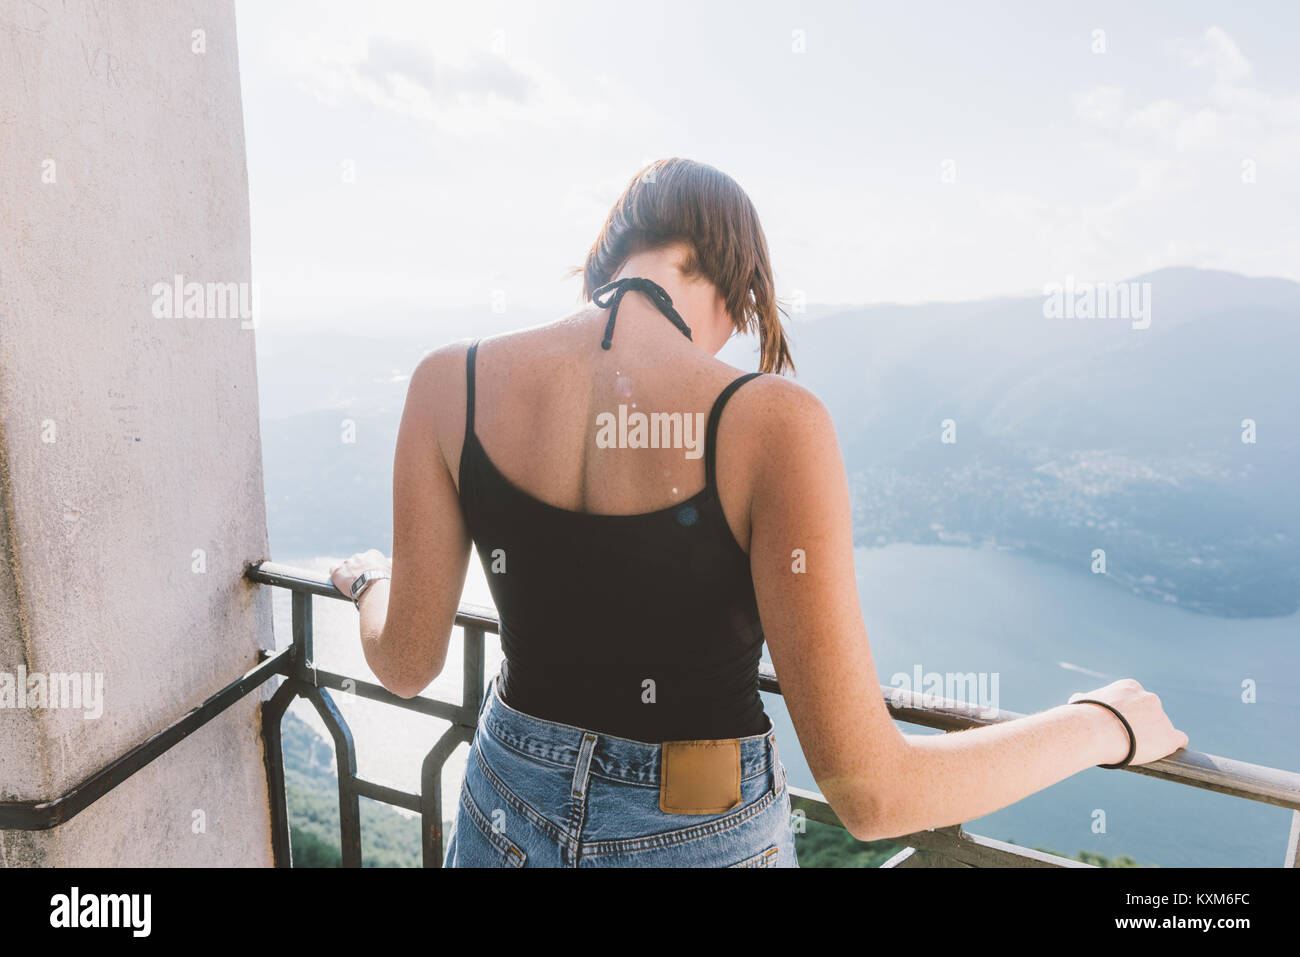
[1045, 632]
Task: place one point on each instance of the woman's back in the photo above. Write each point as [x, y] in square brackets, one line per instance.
[589, 486]
[630, 576]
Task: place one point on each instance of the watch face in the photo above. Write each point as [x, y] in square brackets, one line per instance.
[361, 581]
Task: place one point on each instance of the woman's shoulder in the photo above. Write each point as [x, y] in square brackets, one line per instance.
[441, 370]
[778, 404]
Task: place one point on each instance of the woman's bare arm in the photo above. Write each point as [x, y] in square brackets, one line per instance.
[406, 626]
[881, 782]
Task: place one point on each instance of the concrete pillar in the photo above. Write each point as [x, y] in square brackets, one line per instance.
[130, 459]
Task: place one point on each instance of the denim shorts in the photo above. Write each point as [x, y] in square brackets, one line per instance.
[542, 794]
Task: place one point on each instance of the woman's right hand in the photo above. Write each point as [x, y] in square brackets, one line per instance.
[1156, 735]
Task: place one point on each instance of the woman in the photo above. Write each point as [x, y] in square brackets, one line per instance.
[646, 517]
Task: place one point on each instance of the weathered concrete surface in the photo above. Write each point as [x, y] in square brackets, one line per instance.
[128, 442]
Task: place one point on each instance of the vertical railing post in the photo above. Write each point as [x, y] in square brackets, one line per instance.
[345, 757]
[431, 809]
[272, 716]
[303, 639]
[471, 698]
[1293, 843]
[345, 752]
[471, 694]
[272, 738]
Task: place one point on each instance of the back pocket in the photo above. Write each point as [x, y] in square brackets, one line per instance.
[482, 842]
[764, 858]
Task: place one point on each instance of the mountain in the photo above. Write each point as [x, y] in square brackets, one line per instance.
[1081, 434]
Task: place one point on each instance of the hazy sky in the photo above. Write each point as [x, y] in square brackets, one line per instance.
[431, 154]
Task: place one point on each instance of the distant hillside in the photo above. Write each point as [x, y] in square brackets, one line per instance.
[1075, 435]
[388, 839]
[1071, 434]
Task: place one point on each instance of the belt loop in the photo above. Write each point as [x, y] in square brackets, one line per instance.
[583, 765]
[778, 770]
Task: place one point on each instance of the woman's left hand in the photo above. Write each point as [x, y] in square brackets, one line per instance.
[344, 575]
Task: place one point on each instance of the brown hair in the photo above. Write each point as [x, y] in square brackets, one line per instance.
[680, 200]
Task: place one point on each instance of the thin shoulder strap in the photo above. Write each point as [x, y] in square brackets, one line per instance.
[469, 388]
[711, 433]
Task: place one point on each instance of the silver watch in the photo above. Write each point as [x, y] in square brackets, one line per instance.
[364, 581]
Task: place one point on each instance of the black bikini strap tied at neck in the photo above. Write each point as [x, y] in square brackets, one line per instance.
[613, 293]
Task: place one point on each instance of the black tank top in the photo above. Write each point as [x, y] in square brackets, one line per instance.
[641, 626]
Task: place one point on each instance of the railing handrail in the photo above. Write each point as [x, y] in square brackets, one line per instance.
[1253, 782]
[43, 815]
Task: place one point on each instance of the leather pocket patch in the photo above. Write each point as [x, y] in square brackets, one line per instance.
[699, 777]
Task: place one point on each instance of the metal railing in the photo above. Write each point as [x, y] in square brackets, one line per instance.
[941, 847]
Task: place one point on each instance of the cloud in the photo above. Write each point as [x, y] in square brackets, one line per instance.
[388, 62]
[477, 94]
[1102, 106]
[1216, 51]
[1195, 178]
[1229, 115]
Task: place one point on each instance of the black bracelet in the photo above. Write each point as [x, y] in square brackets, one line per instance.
[1132, 738]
